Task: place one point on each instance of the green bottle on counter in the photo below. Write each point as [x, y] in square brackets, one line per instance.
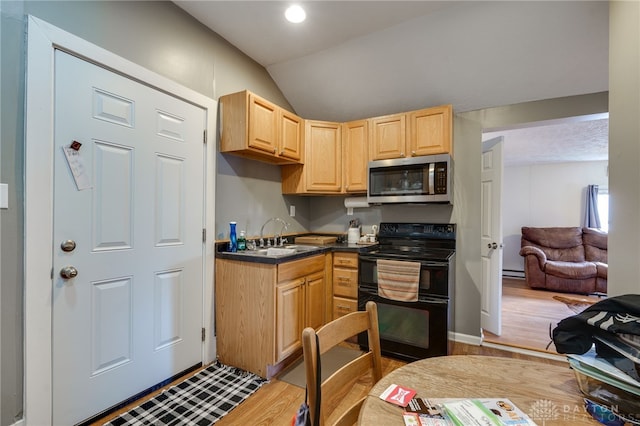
[242, 242]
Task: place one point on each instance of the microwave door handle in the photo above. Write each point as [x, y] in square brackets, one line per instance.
[432, 167]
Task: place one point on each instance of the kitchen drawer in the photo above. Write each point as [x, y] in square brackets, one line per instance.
[301, 267]
[345, 282]
[345, 260]
[342, 306]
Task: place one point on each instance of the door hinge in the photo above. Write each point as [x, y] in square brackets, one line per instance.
[204, 333]
[204, 235]
[204, 136]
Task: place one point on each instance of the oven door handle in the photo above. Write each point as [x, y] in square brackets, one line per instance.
[434, 264]
[425, 263]
[433, 300]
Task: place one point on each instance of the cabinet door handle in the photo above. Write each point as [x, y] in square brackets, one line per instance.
[343, 308]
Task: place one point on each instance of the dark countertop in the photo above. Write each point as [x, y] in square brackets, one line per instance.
[246, 256]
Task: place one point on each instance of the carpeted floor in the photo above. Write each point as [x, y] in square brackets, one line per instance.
[200, 400]
[332, 360]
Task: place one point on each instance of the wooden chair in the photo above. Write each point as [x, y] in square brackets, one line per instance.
[342, 380]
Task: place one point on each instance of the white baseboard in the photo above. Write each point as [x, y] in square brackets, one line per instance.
[511, 273]
[465, 338]
[478, 341]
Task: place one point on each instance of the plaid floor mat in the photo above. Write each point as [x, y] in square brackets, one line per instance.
[199, 400]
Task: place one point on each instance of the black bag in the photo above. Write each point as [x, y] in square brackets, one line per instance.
[620, 314]
[303, 415]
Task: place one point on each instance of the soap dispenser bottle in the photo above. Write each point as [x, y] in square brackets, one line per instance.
[242, 241]
[233, 243]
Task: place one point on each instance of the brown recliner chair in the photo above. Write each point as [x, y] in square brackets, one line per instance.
[565, 259]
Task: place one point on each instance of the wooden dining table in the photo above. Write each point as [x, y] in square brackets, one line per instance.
[548, 393]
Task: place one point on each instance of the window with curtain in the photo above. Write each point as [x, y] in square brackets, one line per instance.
[603, 208]
[596, 214]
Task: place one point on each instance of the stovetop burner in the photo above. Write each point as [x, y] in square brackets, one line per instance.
[416, 241]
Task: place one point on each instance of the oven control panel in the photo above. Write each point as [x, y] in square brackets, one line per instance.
[418, 230]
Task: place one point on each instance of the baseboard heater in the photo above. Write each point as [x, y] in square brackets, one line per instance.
[512, 273]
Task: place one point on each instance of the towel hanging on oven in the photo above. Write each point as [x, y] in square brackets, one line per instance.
[398, 279]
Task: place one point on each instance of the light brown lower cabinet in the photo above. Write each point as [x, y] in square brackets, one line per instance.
[297, 307]
[345, 283]
[261, 310]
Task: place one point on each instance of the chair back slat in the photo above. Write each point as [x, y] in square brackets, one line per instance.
[350, 417]
[370, 362]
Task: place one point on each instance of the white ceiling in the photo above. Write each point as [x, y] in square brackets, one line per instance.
[560, 141]
[356, 59]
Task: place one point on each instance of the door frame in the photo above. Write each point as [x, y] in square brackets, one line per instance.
[42, 41]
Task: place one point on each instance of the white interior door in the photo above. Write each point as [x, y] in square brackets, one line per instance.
[491, 240]
[134, 210]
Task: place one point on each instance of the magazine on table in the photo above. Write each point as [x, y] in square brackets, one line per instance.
[454, 411]
[464, 412]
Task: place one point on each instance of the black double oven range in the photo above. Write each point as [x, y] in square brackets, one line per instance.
[412, 330]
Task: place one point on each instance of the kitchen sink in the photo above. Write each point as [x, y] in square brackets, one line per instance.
[288, 250]
[278, 251]
[300, 248]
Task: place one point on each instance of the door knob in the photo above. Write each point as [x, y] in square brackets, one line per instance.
[68, 272]
[68, 245]
[492, 245]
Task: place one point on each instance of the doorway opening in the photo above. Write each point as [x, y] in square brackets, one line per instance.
[547, 167]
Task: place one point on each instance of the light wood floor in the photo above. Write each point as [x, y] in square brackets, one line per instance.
[527, 315]
[276, 402]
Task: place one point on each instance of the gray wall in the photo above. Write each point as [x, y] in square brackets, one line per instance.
[159, 36]
[468, 140]
[624, 147]
[11, 244]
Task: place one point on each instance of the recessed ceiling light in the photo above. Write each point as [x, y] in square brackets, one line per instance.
[295, 14]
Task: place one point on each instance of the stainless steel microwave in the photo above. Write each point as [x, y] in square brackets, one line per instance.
[424, 179]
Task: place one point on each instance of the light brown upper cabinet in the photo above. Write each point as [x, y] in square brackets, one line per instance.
[388, 136]
[255, 128]
[355, 148]
[322, 170]
[291, 139]
[423, 132]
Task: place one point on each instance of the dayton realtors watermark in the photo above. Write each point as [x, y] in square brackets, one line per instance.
[543, 411]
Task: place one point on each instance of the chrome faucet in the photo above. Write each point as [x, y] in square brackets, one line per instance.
[275, 239]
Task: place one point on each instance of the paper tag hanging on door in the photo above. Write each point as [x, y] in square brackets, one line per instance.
[72, 154]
